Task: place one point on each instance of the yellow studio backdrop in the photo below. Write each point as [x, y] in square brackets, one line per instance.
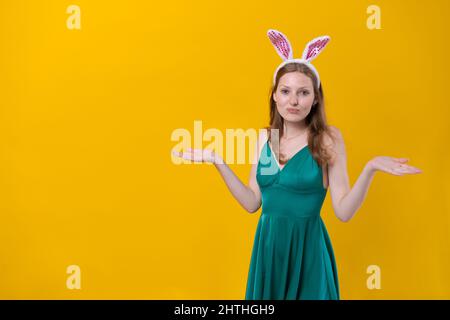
[87, 113]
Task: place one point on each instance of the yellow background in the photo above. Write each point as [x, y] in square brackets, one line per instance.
[85, 125]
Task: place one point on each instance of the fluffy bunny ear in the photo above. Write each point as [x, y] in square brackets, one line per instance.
[281, 44]
[314, 47]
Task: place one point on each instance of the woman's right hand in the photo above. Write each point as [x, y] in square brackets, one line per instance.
[199, 155]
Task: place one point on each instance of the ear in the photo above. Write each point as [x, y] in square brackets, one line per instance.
[280, 43]
[314, 47]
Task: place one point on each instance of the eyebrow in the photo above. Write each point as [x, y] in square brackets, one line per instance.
[299, 87]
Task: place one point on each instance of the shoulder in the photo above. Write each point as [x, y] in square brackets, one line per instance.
[262, 139]
[333, 136]
[333, 141]
[263, 135]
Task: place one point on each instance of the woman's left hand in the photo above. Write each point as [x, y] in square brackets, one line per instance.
[395, 166]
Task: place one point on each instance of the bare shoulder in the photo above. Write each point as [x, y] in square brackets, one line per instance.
[262, 138]
[263, 133]
[334, 142]
[332, 137]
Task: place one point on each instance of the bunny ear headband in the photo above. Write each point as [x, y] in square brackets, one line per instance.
[284, 49]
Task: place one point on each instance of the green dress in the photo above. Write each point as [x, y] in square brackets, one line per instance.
[292, 255]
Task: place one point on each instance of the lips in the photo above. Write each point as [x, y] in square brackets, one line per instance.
[293, 110]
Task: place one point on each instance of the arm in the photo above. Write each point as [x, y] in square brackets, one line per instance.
[347, 201]
[248, 196]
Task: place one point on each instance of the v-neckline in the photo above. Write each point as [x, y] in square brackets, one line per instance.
[292, 158]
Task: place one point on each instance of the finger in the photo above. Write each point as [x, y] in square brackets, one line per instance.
[186, 155]
[176, 153]
[403, 170]
[411, 168]
[408, 170]
[414, 170]
[392, 171]
[402, 160]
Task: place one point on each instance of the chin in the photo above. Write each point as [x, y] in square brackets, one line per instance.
[294, 117]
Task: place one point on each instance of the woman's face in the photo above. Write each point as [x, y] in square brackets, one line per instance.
[294, 96]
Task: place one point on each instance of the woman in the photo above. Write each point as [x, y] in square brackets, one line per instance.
[292, 255]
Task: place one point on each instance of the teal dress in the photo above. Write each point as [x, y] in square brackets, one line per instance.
[292, 255]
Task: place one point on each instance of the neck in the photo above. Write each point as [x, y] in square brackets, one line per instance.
[292, 129]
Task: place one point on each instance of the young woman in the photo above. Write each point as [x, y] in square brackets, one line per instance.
[292, 255]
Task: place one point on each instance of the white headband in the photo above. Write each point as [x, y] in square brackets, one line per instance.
[284, 49]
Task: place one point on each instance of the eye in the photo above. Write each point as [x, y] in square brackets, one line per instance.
[284, 91]
[305, 93]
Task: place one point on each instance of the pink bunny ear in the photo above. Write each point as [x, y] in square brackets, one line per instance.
[281, 44]
[314, 47]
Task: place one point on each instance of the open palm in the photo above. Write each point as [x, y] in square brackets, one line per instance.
[198, 155]
[395, 166]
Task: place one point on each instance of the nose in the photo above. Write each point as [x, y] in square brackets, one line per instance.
[294, 101]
